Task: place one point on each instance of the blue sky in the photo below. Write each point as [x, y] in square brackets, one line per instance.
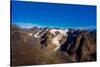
[28, 14]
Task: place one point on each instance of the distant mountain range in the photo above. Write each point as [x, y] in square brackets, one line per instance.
[70, 45]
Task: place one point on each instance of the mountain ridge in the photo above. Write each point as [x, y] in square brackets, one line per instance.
[74, 45]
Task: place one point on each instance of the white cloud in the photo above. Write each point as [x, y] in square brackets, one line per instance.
[27, 25]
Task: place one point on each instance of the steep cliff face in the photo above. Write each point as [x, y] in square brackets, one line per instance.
[81, 47]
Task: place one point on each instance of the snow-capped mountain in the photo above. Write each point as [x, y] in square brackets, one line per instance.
[56, 35]
[75, 44]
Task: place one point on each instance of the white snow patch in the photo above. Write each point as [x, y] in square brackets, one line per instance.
[37, 34]
[30, 34]
[57, 38]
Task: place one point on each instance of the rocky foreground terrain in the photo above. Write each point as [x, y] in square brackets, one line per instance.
[37, 46]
